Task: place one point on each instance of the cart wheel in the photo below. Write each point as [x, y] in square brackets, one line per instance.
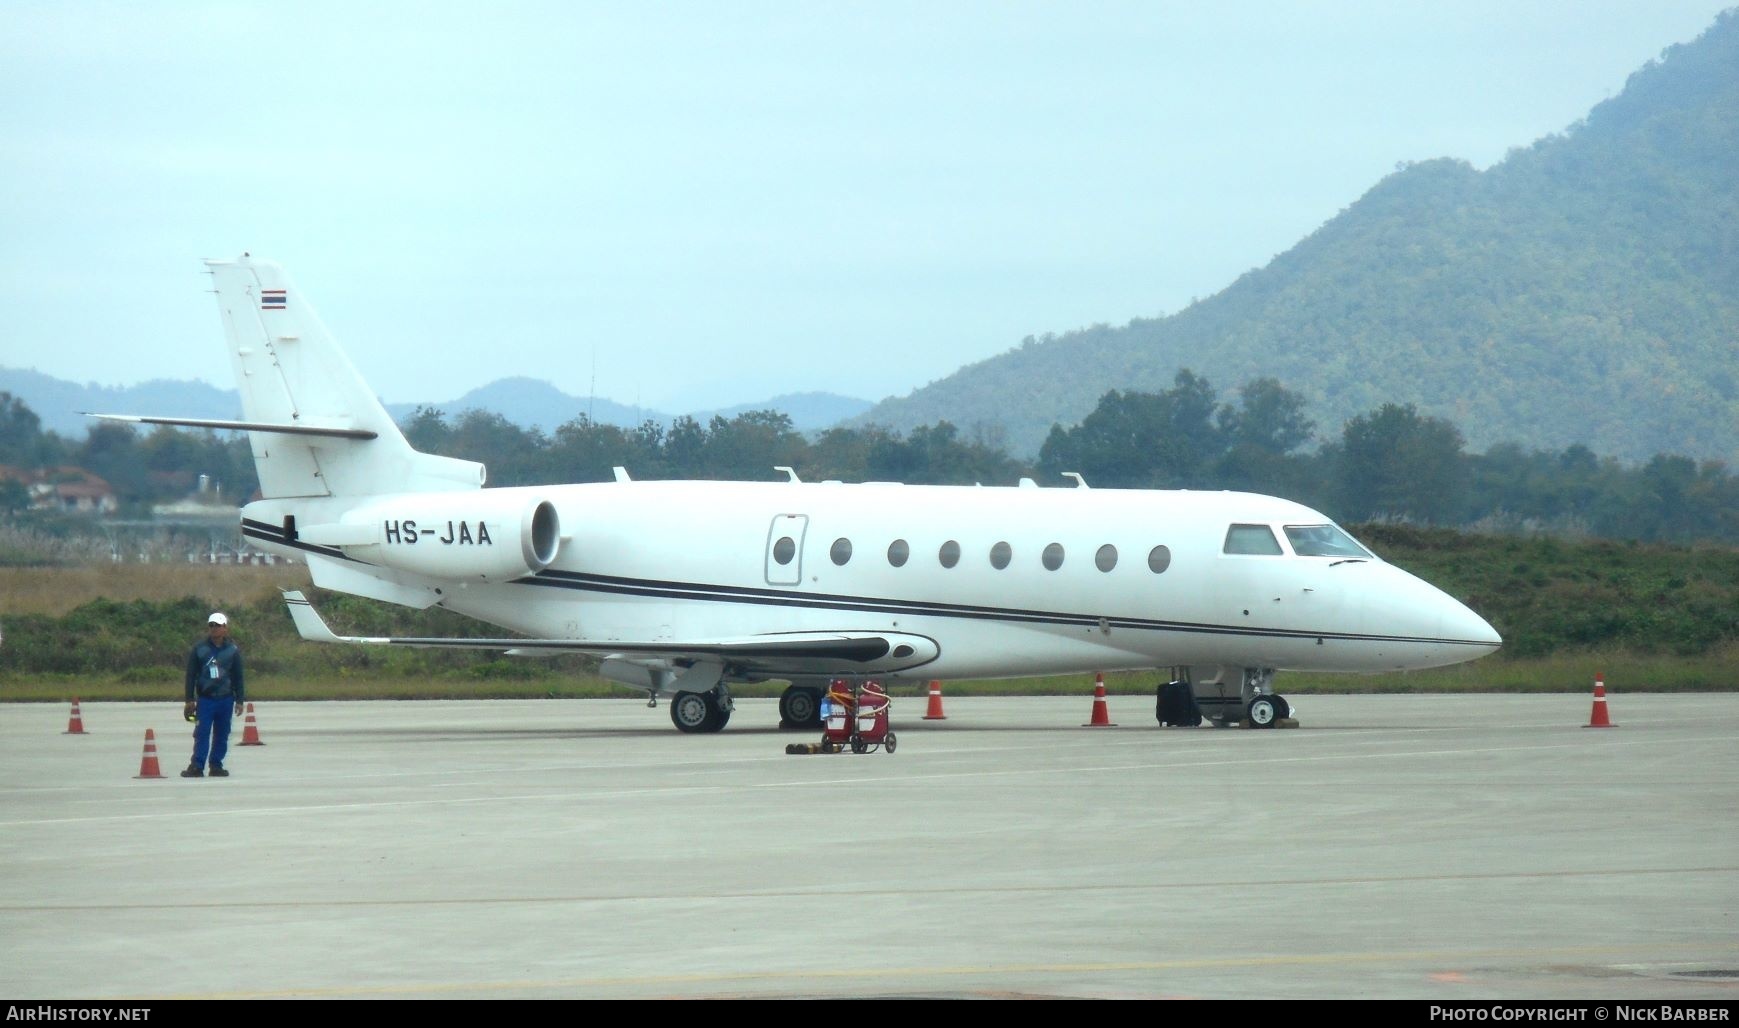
[857, 744]
[889, 742]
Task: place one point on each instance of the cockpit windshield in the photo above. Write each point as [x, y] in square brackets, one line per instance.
[1253, 540]
[1324, 541]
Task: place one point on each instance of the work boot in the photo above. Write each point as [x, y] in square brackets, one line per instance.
[193, 771]
[218, 772]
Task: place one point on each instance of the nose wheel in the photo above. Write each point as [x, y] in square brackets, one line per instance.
[1264, 711]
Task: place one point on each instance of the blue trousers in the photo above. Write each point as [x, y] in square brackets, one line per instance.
[211, 731]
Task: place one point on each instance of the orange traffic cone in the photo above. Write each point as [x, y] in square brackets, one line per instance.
[1598, 718]
[935, 711]
[1101, 716]
[75, 725]
[148, 763]
[250, 733]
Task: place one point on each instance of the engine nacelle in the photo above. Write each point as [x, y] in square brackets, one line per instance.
[476, 534]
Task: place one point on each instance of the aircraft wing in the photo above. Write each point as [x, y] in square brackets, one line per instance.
[773, 655]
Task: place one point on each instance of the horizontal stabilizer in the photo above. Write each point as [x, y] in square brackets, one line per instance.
[334, 431]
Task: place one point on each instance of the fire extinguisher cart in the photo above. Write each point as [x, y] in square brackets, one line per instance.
[855, 716]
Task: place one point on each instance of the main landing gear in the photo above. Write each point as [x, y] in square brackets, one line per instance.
[800, 707]
[701, 711]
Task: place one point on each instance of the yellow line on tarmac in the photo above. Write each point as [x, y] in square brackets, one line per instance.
[901, 979]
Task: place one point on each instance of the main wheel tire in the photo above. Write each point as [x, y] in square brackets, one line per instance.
[719, 707]
[1263, 712]
[691, 712]
[800, 707]
[1281, 708]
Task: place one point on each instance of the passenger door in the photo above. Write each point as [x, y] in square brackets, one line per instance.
[785, 549]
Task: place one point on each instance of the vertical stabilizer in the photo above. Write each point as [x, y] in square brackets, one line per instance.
[291, 372]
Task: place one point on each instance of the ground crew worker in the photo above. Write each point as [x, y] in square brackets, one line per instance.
[214, 695]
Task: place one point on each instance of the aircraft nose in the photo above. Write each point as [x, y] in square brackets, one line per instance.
[1441, 629]
[1447, 618]
[1462, 634]
[1465, 624]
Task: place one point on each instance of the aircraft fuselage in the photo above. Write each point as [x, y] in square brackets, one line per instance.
[1006, 581]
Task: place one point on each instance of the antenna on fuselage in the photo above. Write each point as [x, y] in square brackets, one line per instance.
[789, 471]
[1080, 483]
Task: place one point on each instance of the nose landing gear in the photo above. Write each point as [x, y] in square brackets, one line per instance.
[1267, 711]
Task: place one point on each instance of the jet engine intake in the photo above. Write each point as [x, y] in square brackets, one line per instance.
[477, 534]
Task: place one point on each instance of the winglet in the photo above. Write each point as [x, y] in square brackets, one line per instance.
[308, 620]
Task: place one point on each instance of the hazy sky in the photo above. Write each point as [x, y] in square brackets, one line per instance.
[702, 204]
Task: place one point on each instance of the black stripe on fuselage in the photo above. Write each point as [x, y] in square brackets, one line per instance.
[274, 534]
[922, 608]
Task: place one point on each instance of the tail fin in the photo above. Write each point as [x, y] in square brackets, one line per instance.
[316, 427]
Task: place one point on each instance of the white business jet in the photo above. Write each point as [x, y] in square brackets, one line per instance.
[684, 588]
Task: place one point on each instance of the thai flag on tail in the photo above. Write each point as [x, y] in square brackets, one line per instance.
[274, 299]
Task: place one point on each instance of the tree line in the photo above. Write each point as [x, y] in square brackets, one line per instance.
[143, 469]
[1390, 464]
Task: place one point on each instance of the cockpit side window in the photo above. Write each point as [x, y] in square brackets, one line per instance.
[1252, 539]
[1324, 541]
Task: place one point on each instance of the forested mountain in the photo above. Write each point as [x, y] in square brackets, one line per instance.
[532, 403]
[1584, 290]
[528, 403]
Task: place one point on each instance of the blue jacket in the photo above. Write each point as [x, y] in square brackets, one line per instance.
[215, 671]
